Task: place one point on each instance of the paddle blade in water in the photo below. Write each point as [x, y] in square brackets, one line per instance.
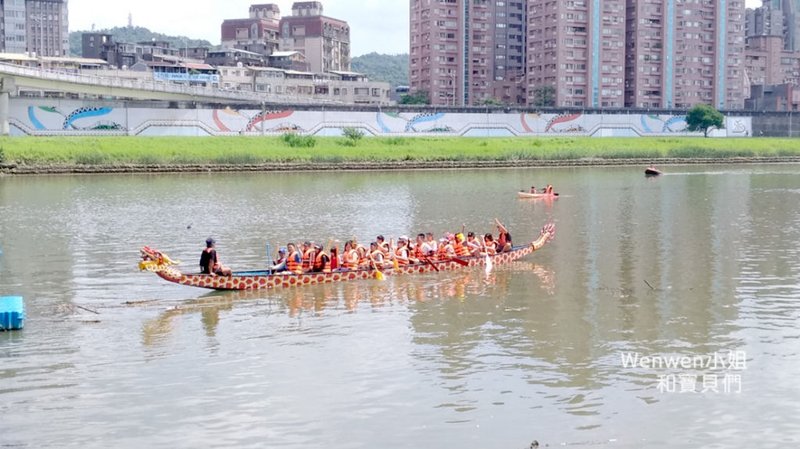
[379, 275]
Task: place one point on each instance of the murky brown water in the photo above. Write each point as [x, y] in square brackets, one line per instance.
[701, 263]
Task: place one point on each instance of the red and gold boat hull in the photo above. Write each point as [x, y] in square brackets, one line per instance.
[160, 264]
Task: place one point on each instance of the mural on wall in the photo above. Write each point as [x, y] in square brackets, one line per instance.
[38, 117]
[738, 126]
[412, 124]
[69, 120]
[524, 117]
[561, 119]
[664, 124]
[250, 121]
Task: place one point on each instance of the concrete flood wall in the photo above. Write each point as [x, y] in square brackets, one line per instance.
[45, 117]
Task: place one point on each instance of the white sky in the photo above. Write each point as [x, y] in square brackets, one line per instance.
[375, 25]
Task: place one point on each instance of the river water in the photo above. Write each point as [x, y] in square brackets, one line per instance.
[574, 345]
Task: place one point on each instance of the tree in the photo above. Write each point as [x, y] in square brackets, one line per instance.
[134, 35]
[491, 102]
[392, 69]
[544, 96]
[703, 117]
[418, 97]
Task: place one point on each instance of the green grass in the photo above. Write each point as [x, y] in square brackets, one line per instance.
[258, 150]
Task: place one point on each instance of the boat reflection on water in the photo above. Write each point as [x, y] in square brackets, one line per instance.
[157, 330]
[349, 297]
[547, 277]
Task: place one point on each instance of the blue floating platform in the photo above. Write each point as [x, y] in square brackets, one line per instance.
[12, 313]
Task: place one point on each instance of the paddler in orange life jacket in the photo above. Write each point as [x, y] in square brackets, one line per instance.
[431, 247]
[308, 256]
[363, 254]
[350, 261]
[279, 264]
[376, 256]
[447, 246]
[473, 244]
[419, 247]
[460, 246]
[401, 253]
[382, 245]
[294, 261]
[322, 262]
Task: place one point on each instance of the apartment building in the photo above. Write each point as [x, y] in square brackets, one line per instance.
[323, 40]
[258, 33]
[468, 52]
[576, 51]
[767, 20]
[34, 26]
[509, 52]
[336, 87]
[778, 18]
[48, 27]
[680, 53]
[768, 63]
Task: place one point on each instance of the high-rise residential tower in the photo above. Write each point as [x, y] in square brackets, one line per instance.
[683, 53]
[34, 26]
[467, 52]
[576, 51]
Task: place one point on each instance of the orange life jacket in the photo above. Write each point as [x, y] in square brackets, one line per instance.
[418, 252]
[351, 260]
[461, 249]
[292, 264]
[401, 255]
[320, 265]
[441, 253]
[307, 262]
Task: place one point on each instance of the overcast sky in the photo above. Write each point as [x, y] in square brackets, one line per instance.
[375, 25]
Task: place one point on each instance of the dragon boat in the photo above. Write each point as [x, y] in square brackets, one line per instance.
[162, 265]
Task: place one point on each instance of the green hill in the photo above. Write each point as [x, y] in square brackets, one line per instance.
[392, 69]
[134, 35]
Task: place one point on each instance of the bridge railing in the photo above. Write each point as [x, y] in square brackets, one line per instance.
[156, 86]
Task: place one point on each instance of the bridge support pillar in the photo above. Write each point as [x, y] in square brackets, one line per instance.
[5, 128]
[6, 86]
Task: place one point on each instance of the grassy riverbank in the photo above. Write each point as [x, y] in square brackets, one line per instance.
[176, 151]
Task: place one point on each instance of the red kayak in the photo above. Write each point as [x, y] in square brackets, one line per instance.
[536, 196]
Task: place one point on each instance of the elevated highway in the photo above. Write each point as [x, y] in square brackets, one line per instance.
[12, 76]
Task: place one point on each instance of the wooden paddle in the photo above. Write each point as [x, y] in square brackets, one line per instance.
[429, 262]
[378, 275]
[461, 262]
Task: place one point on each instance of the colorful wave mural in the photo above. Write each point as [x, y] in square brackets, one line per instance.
[34, 117]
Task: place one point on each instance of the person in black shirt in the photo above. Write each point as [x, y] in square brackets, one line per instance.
[209, 263]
